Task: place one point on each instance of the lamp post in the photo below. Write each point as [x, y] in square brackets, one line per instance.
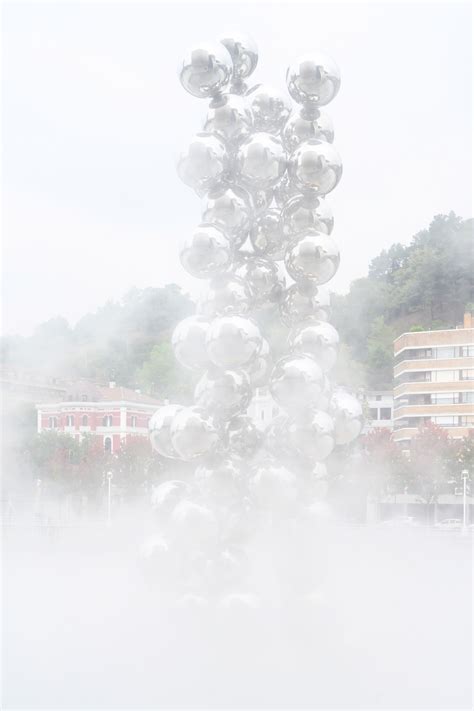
[464, 475]
[109, 498]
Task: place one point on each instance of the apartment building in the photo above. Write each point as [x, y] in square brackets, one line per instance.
[434, 381]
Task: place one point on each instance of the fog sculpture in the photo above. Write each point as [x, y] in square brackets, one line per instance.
[262, 164]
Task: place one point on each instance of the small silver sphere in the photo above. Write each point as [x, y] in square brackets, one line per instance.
[313, 79]
[348, 416]
[317, 339]
[261, 161]
[233, 341]
[160, 430]
[205, 70]
[305, 212]
[313, 435]
[269, 108]
[193, 433]
[229, 208]
[206, 252]
[304, 125]
[223, 394]
[244, 53]
[315, 165]
[313, 255]
[227, 294]
[229, 118]
[266, 235]
[203, 165]
[297, 382]
[296, 307]
[265, 280]
[189, 342]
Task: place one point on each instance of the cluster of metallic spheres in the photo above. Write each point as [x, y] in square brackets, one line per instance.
[262, 168]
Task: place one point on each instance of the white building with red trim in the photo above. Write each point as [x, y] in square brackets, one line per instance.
[114, 413]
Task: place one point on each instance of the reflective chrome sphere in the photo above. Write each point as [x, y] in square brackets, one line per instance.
[270, 109]
[206, 252]
[244, 54]
[261, 161]
[189, 342]
[167, 495]
[227, 294]
[204, 163]
[264, 278]
[242, 436]
[266, 235]
[232, 341]
[159, 428]
[193, 433]
[304, 125]
[229, 118]
[296, 306]
[313, 255]
[313, 436]
[315, 165]
[229, 208]
[305, 212]
[273, 486]
[317, 339]
[348, 416]
[313, 79]
[223, 394]
[297, 382]
[205, 70]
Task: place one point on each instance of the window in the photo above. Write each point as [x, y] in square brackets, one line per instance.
[466, 397]
[467, 374]
[378, 397]
[444, 376]
[108, 444]
[70, 421]
[133, 421]
[373, 413]
[85, 420]
[107, 421]
[84, 397]
[466, 351]
[53, 423]
[445, 352]
[385, 413]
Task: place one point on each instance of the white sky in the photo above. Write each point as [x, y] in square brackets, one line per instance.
[94, 117]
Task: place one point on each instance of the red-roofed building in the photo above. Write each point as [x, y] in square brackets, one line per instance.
[114, 413]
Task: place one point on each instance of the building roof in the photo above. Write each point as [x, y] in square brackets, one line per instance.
[113, 394]
[85, 391]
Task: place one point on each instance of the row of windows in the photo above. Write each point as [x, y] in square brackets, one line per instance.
[439, 352]
[436, 399]
[443, 420]
[435, 376]
[107, 421]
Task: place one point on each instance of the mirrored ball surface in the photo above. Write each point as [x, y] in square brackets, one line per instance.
[312, 255]
[313, 79]
[315, 165]
[206, 69]
[206, 252]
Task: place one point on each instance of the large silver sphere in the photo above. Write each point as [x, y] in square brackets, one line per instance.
[229, 118]
[206, 252]
[206, 69]
[317, 339]
[204, 164]
[243, 437]
[233, 341]
[306, 212]
[227, 294]
[273, 487]
[160, 430]
[229, 208]
[223, 393]
[304, 125]
[266, 235]
[315, 165]
[348, 416]
[313, 435]
[313, 79]
[261, 161]
[189, 342]
[193, 433]
[260, 367]
[297, 382]
[270, 109]
[313, 255]
[265, 280]
[167, 495]
[244, 53]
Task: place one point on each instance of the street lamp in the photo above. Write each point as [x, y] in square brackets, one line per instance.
[109, 498]
[465, 475]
